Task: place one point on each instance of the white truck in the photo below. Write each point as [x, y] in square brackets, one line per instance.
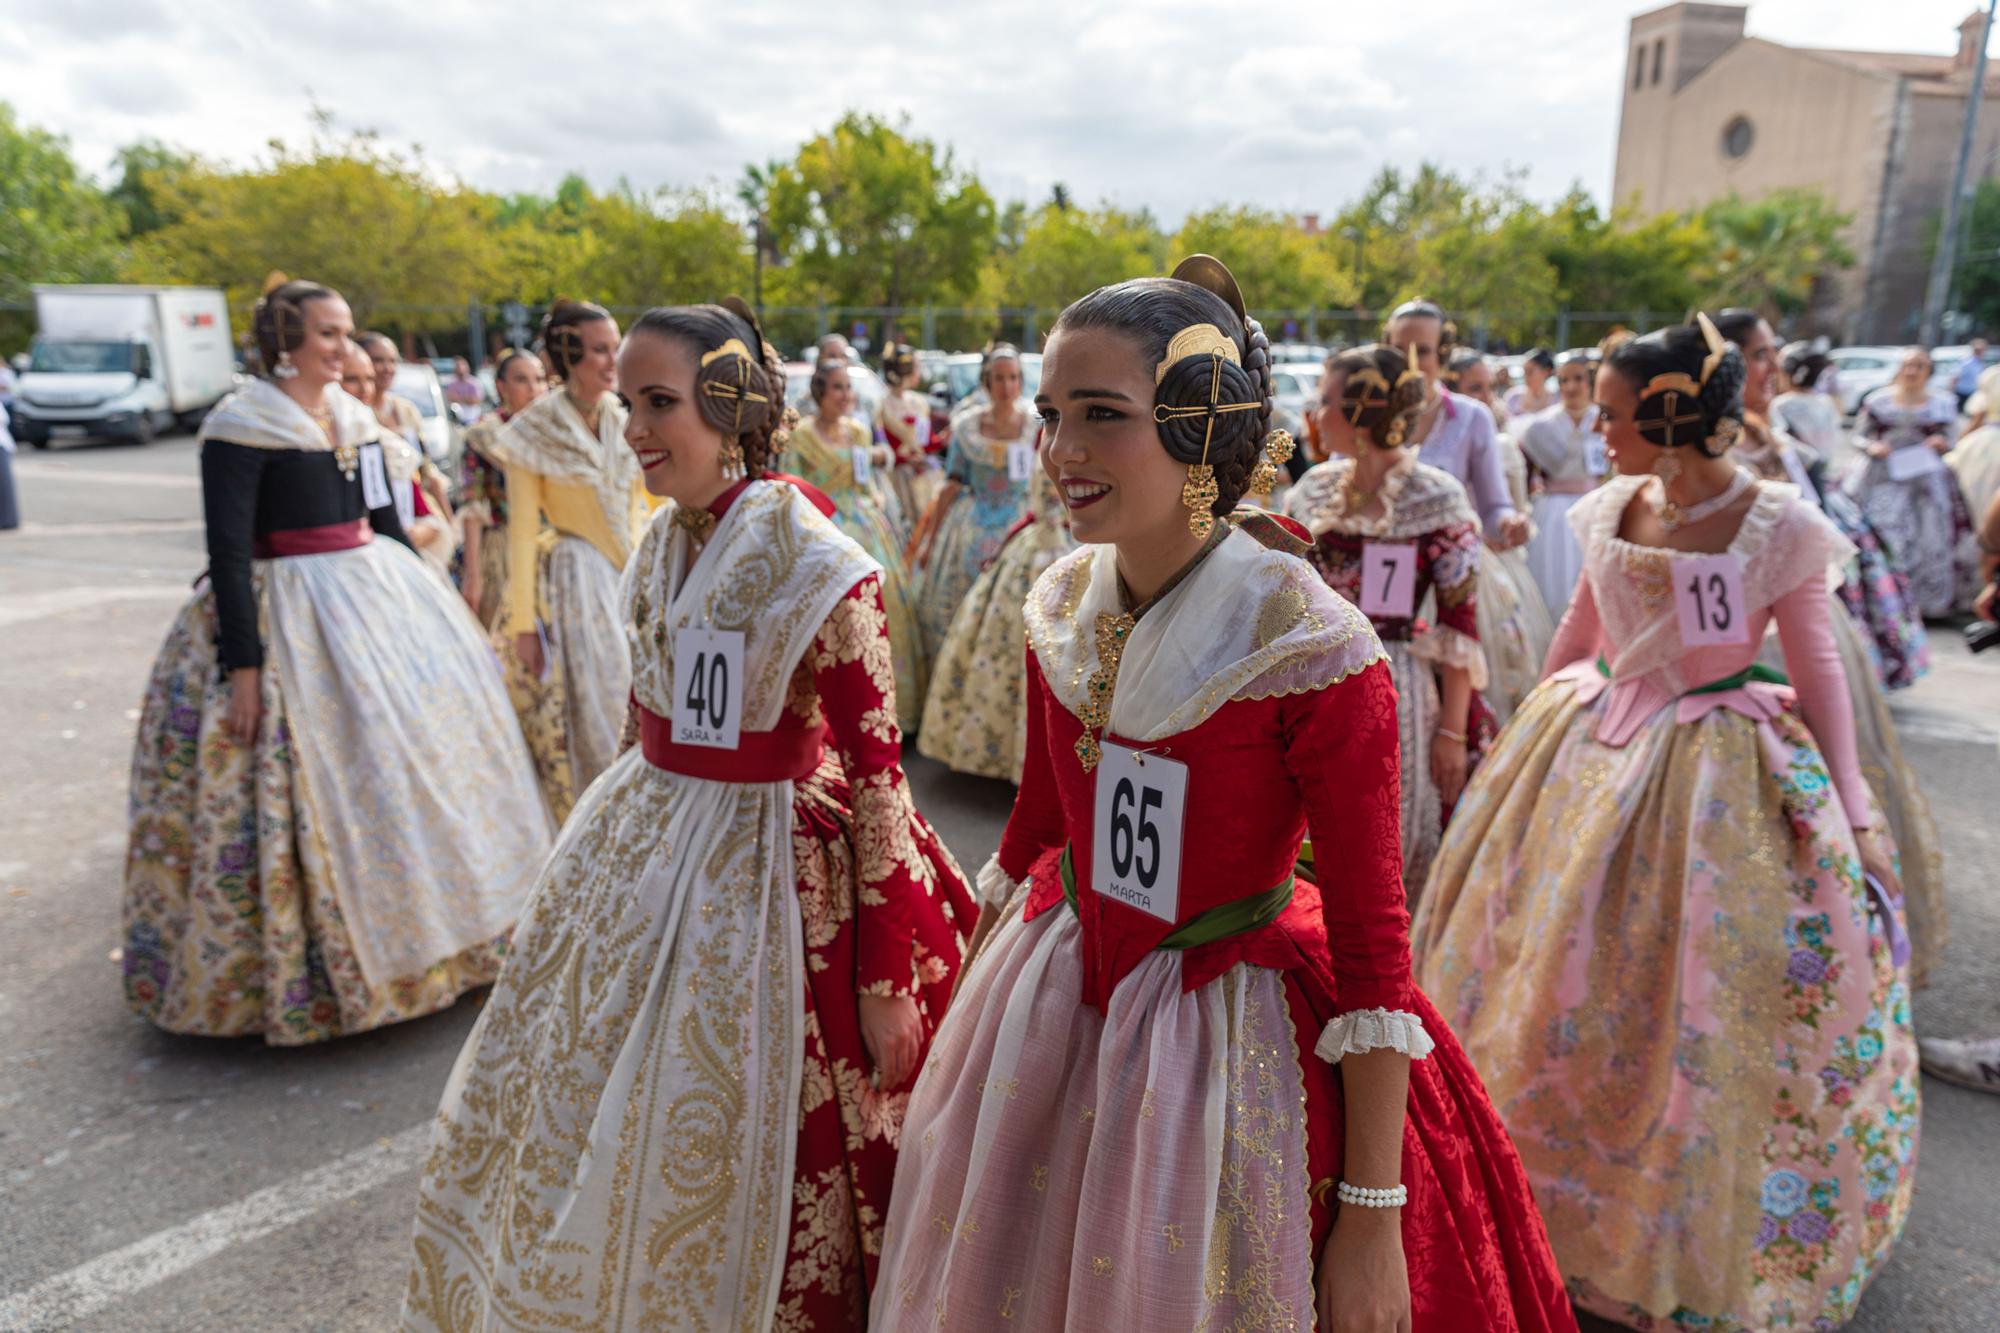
[125, 362]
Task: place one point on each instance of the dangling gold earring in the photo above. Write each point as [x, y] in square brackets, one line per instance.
[1198, 493]
[1392, 438]
[1667, 467]
[732, 457]
[1278, 449]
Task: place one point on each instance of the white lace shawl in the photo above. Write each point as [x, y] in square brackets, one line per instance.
[263, 416]
[1249, 623]
[1416, 499]
[548, 438]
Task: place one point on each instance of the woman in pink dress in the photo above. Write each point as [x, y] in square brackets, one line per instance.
[1649, 918]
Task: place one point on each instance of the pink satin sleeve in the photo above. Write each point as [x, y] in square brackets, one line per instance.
[1812, 659]
[1580, 633]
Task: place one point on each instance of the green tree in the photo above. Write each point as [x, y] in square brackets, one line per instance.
[1277, 264]
[868, 214]
[1770, 252]
[401, 246]
[55, 226]
[1976, 282]
[146, 168]
[1065, 251]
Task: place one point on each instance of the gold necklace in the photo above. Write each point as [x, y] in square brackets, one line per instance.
[1113, 629]
[345, 453]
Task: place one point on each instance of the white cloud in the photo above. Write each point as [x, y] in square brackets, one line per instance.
[1174, 105]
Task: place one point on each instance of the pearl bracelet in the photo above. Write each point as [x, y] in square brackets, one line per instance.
[1362, 1197]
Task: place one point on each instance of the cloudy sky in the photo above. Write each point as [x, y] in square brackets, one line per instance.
[1175, 104]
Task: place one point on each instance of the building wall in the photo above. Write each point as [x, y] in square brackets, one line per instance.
[1918, 180]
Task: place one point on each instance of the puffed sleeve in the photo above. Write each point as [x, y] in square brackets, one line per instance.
[524, 528]
[1451, 558]
[898, 864]
[1341, 751]
[1036, 822]
[230, 474]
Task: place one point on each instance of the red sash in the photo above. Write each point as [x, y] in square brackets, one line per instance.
[788, 753]
[312, 541]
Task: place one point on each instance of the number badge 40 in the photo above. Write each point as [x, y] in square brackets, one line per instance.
[1135, 850]
[708, 687]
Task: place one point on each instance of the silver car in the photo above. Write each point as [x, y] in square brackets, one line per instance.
[1294, 393]
[418, 382]
[1859, 371]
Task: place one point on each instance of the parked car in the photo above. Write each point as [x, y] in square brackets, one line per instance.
[418, 382]
[1859, 371]
[1294, 393]
[123, 361]
[1315, 353]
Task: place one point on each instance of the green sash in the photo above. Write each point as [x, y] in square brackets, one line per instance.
[1755, 671]
[1217, 923]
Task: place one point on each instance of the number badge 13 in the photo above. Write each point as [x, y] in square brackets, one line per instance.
[1135, 843]
[1708, 599]
[708, 687]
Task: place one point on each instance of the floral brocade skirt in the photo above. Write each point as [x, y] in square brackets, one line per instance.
[1878, 600]
[1662, 959]
[969, 536]
[663, 1117]
[246, 909]
[975, 719]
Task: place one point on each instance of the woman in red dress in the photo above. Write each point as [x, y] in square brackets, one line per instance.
[1181, 1087]
[680, 1107]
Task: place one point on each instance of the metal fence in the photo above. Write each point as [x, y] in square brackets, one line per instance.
[439, 330]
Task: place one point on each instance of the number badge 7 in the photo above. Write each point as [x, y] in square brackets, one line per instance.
[1135, 841]
[1708, 599]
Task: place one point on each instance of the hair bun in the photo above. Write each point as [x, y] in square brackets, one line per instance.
[733, 391]
[1186, 393]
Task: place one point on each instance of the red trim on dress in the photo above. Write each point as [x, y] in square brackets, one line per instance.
[312, 541]
[787, 753]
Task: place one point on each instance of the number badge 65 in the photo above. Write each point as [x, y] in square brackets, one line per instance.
[1135, 849]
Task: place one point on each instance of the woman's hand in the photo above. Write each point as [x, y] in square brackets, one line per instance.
[246, 705]
[1448, 766]
[1876, 861]
[1878, 449]
[528, 648]
[1364, 1281]
[884, 456]
[1939, 443]
[892, 1033]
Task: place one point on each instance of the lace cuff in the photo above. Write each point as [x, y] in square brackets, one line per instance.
[1454, 648]
[1363, 1030]
[994, 886]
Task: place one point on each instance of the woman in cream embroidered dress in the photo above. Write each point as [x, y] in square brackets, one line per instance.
[519, 379]
[822, 449]
[982, 499]
[1374, 491]
[680, 1109]
[292, 872]
[1648, 920]
[1134, 1118]
[1521, 631]
[578, 505]
[975, 716]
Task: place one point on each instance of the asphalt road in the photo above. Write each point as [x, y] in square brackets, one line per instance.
[153, 1182]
